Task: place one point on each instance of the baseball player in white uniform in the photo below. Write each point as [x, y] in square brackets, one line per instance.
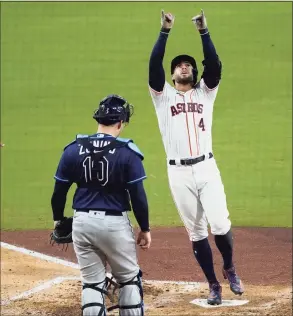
[184, 113]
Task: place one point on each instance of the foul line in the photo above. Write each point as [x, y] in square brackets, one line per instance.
[40, 255]
[37, 289]
[75, 265]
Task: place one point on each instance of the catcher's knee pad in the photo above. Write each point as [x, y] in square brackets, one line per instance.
[131, 297]
[93, 302]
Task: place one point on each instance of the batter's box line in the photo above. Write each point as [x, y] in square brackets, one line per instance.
[39, 288]
[75, 265]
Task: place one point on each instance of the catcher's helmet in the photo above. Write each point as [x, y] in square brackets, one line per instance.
[113, 109]
[181, 58]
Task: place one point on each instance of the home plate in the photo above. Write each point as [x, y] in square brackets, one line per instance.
[225, 303]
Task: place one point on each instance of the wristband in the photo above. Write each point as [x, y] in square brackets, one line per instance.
[164, 30]
[204, 31]
[146, 230]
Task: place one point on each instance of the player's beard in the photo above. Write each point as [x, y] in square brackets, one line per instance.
[185, 80]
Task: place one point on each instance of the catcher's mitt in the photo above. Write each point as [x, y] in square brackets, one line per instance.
[62, 234]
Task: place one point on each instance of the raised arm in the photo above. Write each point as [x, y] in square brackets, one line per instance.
[156, 70]
[212, 64]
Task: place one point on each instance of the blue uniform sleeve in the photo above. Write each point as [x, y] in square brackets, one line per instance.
[212, 64]
[58, 199]
[135, 171]
[64, 179]
[156, 70]
[139, 205]
[64, 169]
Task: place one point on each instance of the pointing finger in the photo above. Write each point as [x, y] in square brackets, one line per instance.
[163, 13]
[202, 13]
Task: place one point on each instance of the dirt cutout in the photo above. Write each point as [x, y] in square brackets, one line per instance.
[267, 296]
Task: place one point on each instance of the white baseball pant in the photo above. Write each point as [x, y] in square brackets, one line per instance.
[199, 195]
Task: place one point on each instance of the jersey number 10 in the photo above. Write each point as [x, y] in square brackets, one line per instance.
[96, 173]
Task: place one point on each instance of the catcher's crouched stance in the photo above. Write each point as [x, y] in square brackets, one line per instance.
[107, 170]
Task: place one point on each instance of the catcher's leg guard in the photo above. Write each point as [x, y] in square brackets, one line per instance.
[93, 302]
[131, 297]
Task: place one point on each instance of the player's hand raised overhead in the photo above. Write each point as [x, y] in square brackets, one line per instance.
[167, 20]
[200, 21]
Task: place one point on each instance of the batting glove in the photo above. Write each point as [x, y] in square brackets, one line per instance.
[167, 20]
[200, 21]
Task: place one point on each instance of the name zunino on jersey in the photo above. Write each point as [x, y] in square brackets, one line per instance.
[97, 144]
[186, 107]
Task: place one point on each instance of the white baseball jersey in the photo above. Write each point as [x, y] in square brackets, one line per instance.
[185, 119]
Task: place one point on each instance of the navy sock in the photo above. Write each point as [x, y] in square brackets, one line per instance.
[203, 254]
[225, 246]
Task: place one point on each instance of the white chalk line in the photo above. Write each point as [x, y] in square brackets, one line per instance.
[174, 282]
[40, 255]
[58, 280]
[39, 288]
[75, 265]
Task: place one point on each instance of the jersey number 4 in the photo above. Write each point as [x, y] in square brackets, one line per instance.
[201, 124]
[99, 172]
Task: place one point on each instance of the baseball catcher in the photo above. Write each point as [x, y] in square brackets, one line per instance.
[109, 174]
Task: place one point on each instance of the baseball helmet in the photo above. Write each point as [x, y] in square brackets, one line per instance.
[181, 58]
[113, 109]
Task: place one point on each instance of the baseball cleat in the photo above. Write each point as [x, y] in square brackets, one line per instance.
[236, 285]
[215, 297]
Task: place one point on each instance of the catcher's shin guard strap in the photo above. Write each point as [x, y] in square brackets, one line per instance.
[125, 307]
[131, 297]
[92, 302]
[131, 306]
[93, 286]
[137, 283]
[102, 311]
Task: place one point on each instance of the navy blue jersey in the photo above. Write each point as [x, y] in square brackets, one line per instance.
[102, 183]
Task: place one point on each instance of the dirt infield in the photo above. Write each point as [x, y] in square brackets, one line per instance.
[263, 257]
